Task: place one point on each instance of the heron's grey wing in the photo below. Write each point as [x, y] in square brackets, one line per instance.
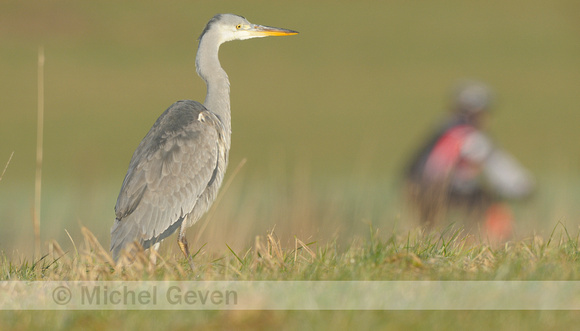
[170, 169]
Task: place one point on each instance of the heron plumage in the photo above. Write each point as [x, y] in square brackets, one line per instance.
[173, 173]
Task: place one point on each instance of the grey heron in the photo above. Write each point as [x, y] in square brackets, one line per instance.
[177, 169]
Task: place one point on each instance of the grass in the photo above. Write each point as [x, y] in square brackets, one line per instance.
[325, 320]
[415, 255]
[347, 103]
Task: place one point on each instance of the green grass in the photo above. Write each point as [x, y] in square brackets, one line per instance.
[344, 103]
[415, 255]
[267, 320]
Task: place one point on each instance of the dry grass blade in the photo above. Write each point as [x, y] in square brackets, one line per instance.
[275, 248]
[39, 151]
[6, 166]
[263, 255]
[73, 242]
[94, 245]
[304, 247]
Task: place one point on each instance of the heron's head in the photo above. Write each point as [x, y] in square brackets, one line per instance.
[228, 27]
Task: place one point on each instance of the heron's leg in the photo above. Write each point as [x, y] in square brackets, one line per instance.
[153, 256]
[153, 253]
[182, 242]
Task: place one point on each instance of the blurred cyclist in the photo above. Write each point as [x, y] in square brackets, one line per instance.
[460, 167]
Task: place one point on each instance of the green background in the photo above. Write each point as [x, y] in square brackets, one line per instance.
[325, 119]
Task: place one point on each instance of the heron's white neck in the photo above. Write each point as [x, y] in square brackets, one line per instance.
[217, 99]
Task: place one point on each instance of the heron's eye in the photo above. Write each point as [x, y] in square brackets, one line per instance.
[239, 26]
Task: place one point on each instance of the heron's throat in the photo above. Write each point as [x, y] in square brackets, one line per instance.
[209, 69]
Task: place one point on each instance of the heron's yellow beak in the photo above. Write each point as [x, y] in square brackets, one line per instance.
[263, 31]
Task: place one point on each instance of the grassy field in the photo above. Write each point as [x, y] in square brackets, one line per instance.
[323, 122]
[448, 255]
